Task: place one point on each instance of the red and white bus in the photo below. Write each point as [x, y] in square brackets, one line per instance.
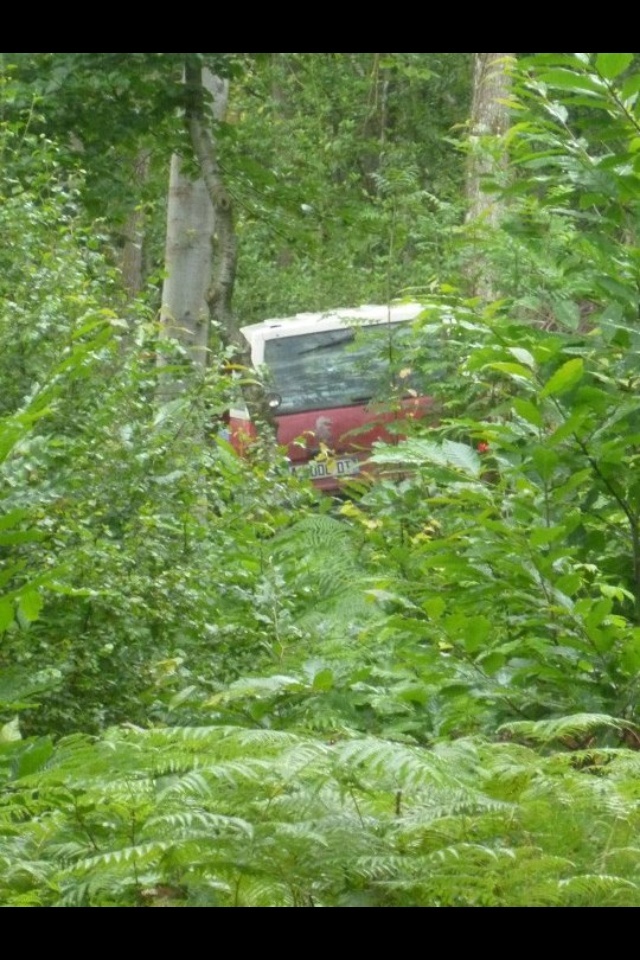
[336, 383]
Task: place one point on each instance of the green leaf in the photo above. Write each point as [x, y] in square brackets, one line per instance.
[630, 86]
[570, 583]
[611, 65]
[492, 662]
[323, 680]
[33, 757]
[6, 614]
[462, 457]
[434, 607]
[513, 369]
[570, 426]
[545, 461]
[570, 80]
[565, 378]
[12, 518]
[20, 536]
[557, 110]
[459, 456]
[625, 292]
[567, 313]
[523, 356]
[476, 631]
[615, 592]
[10, 732]
[30, 605]
[528, 411]
[543, 535]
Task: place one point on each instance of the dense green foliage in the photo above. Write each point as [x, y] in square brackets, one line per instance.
[224, 816]
[348, 187]
[216, 687]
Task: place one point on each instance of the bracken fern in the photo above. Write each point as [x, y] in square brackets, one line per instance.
[230, 816]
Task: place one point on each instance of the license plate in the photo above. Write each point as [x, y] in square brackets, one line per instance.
[322, 469]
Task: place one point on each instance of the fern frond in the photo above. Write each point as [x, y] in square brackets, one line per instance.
[591, 890]
[398, 765]
[417, 452]
[123, 857]
[323, 558]
[191, 821]
[189, 784]
[574, 726]
[230, 815]
[262, 892]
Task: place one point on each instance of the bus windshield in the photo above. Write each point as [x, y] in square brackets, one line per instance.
[337, 368]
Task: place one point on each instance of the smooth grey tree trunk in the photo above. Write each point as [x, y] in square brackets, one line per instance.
[189, 252]
[488, 124]
[489, 119]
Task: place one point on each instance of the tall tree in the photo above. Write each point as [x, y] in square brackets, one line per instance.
[489, 118]
[488, 124]
[200, 244]
[124, 114]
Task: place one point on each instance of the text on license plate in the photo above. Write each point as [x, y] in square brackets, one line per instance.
[319, 469]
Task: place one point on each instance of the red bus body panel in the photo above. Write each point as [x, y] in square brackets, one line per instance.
[340, 433]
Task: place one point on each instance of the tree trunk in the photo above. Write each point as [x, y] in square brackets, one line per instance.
[196, 212]
[488, 124]
[190, 222]
[220, 289]
[489, 119]
[131, 265]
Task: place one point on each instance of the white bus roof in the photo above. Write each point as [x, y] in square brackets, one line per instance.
[368, 314]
